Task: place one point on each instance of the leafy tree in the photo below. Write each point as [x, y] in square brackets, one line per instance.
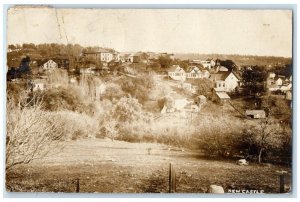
[128, 110]
[229, 64]
[275, 105]
[165, 61]
[253, 81]
[138, 87]
[113, 91]
[69, 98]
[204, 86]
[12, 47]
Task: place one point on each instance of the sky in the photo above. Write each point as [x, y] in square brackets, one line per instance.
[244, 32]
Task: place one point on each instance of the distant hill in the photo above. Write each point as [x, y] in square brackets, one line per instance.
[240, 60]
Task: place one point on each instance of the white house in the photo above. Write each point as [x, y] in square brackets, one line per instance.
[271, 75]
[286, 88]
[208, 64]
[225, 81]
[177, 73]
[195, 73]
[279, 82]
[50, 65]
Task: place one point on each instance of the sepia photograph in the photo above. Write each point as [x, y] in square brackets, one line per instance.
[163, 101]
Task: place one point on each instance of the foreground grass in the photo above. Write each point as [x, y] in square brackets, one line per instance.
[103, 166]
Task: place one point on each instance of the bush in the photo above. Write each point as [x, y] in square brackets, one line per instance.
[63, 98]
[113, 92]
[138, 87]
[76, 125]
[219, 136]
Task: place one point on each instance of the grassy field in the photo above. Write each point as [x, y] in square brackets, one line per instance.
[103, 166]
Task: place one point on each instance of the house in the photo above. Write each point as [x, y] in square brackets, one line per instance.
[223, 69]
[139, 57]
[219, 96]
[271, 75]
[170, 55]
[102, 54]
[50, 65]
[62, 62]
[190, 86]
[39, 85]
[286, 87]
[289, 95]
[279, 81]
[256, 114]
[208, 64]
[201, 99]
[226, 81]
[87, 70]
[177, 73]
[195, 73]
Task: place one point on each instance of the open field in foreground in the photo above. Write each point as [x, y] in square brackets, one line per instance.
[103, 166]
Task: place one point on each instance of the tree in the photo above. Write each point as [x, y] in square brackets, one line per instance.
[229, 64]
[275, 105]
[264, 136]
[165, 61]
[113, 91]
[63, 98]
[204, 86]
[31, 133]
[12, 47]
[128, 110]
[253, 81]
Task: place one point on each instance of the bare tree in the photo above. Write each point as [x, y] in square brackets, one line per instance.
[31, 132]
[266, 135]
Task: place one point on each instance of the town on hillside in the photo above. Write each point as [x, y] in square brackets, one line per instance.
[219, 81]
[149, 101]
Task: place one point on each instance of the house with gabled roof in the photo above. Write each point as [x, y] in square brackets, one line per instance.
[226, 81]
[50, 65]
[177, 73]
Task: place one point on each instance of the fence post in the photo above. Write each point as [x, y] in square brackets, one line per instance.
[77, 185]
[281, 183]
[172, 179]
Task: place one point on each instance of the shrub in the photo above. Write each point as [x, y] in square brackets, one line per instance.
[218, 136]
[113, 91]
[63, 98]
[76, 125]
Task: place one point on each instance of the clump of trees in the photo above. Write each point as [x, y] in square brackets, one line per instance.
[264, 139]
[267, 137]
[63, 98]
[118, 121]
[138, 87]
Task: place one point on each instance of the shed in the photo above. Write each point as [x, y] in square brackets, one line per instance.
[219, 96]
[256, 114]
[200, 99]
